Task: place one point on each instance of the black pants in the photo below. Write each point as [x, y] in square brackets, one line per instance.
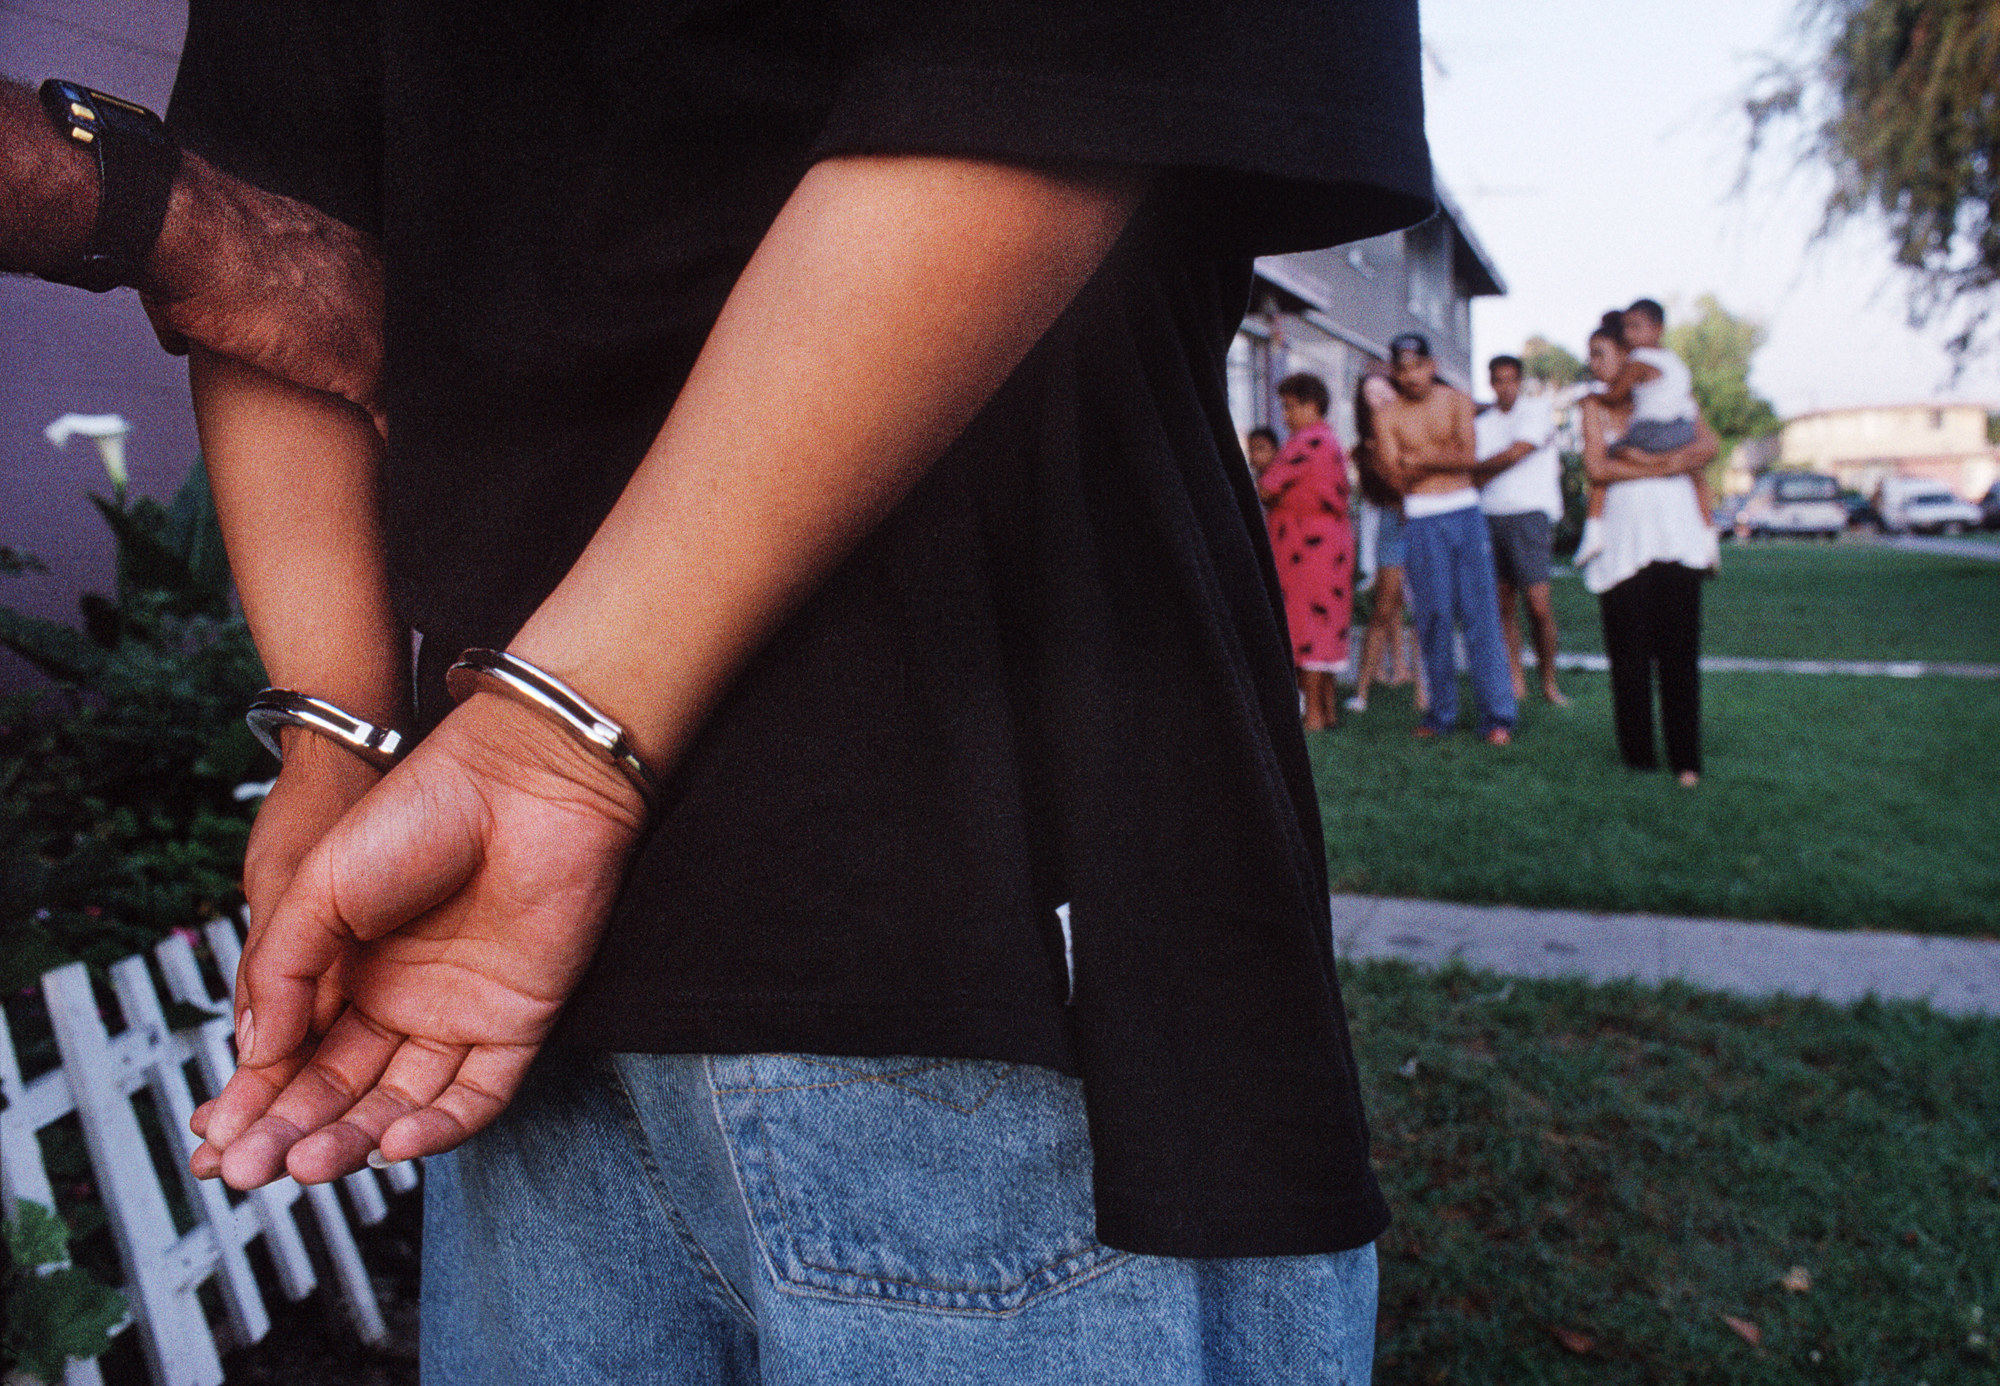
[1653, 620]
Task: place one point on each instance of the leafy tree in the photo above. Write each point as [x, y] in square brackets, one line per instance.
[1717, 346]
[1548, 362]
[1900, 100]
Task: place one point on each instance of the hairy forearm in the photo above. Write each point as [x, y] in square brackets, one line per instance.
[294, 474]
[248, 273]
[887, 303]
[48, 189]
[268, 280]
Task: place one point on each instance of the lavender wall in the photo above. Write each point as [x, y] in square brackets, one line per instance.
[63, 351]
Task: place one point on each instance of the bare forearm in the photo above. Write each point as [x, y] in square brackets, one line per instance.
[294, 477]
[1444, 460]
[889, 300]
[1629, 463]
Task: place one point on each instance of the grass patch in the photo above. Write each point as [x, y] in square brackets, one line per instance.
[1794, 599]
[1830, 801]
[1589, 1182]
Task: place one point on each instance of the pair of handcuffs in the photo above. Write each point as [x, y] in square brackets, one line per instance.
[137, 161]
[494, 670]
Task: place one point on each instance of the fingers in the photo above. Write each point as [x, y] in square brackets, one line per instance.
[245, 1098]
[367, 1090]
[403, 849]
[429, 1100]
[483, 1086]
[344, 1066]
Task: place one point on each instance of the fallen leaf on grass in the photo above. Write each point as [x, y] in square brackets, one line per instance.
[1744, 1329]
[1582, 1344]
[1798, 1280]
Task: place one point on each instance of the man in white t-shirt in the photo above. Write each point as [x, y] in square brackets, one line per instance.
[1522, 500]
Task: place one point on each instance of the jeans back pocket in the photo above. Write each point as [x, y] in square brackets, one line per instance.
[958, 1185]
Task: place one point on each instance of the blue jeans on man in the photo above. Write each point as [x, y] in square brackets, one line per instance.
[813, 1220]
[1449, 574]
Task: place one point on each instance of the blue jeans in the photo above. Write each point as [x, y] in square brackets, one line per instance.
[1450, 575]
[685, 1220]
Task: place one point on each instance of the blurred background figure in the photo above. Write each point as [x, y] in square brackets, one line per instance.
[1306, 491]
[1386, 635]
[1522, 498]
[1647, 572]
[1262, 449]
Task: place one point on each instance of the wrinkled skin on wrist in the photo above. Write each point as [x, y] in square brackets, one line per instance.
[270, 281]
[456, 905]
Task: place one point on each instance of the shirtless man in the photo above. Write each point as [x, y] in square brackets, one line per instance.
[1427, 451]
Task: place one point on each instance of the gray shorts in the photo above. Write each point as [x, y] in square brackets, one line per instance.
[1520, 548]
[1658, 435]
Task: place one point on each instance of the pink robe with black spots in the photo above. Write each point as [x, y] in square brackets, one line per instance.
[1313, 538]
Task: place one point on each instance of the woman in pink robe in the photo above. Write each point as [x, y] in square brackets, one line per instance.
[1306, 491]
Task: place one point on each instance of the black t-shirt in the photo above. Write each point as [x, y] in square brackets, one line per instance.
[1024, 781]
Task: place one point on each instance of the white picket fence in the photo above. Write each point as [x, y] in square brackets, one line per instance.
[164, 1269]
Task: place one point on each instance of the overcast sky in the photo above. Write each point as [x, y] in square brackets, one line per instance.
[1594, 144]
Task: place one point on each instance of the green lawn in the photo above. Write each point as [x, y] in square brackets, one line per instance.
[1796, 599]
[1835, 801]
[1589, 1183]
[1843, 802]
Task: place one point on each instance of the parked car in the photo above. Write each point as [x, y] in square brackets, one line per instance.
[1861, 515]
[1792, 503]
[1914, 506]
[1990, 504]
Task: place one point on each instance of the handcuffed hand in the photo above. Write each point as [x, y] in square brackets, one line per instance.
[449, 915]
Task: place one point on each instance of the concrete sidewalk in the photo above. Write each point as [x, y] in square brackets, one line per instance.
[1859, 668]
[1942, 547]
[1955, 975]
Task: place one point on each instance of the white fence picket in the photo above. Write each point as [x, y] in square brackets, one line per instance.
[273, 1202]
[363, 1192]
[172, 1328]
[30, 1107]
[97, 1079]
[168, 1080]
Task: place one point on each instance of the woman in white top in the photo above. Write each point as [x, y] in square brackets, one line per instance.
[1647, 572]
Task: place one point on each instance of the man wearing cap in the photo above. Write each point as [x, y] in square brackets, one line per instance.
[1428, 450]
[1522, 498]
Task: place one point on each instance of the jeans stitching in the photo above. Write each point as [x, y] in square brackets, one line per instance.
[1070, 1280]
[628, 1114]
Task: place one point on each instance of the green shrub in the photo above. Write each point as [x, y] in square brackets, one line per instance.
[118, 815]
[49, 1309]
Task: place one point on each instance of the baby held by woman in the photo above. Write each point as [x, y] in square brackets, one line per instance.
[1660, 389]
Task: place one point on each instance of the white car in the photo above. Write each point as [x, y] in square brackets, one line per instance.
[1931, 510]
[1792, 503]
